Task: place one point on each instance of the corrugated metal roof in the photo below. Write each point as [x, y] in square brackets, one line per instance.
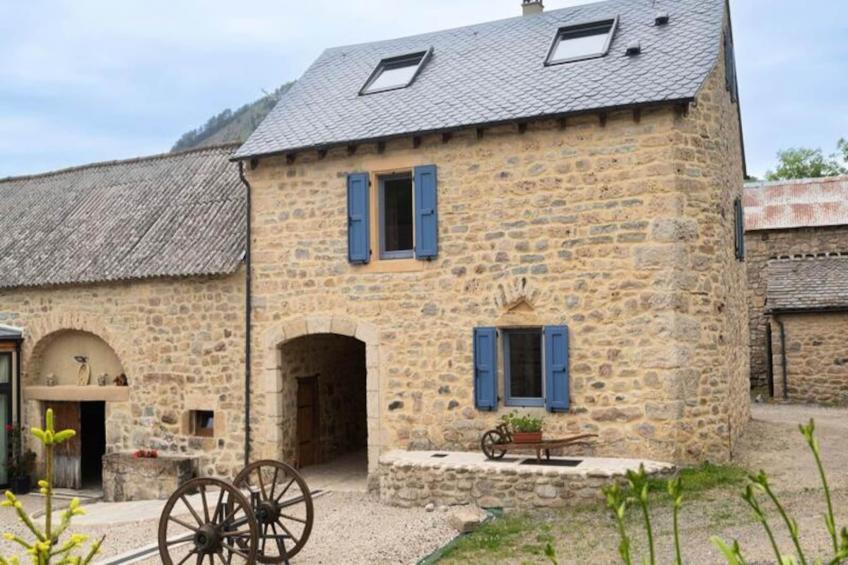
[170, 215]
[796, 203]
[495, 72]
[816, 282]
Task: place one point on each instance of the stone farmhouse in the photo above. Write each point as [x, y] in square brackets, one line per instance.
[796, 237]
[541, 214]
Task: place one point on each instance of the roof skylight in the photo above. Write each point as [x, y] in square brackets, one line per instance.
[584, 41]
[395, 72]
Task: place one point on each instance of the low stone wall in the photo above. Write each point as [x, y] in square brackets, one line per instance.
[129, 478]
[417, 478]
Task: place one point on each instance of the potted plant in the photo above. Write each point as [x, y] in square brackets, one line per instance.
[524, 428]
[21, 463]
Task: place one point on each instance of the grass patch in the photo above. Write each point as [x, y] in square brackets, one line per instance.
[704, 478]
[504, 536]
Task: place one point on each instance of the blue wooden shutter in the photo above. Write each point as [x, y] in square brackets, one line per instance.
[556, 369]
[358, 233]
[739, 213]
[485, 368]
[426, 213]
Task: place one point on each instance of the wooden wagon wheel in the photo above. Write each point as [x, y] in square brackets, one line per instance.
[489, 443]
[208, 520]
[283, 506]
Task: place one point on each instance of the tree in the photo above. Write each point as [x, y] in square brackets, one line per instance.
[802, 162]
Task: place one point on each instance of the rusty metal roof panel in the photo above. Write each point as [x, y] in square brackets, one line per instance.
[796, 203]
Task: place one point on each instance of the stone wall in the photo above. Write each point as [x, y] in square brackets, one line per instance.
[621, 228]
[181, 344]
[128, 478]
[764, 245]
[415, 482]
[816, 357]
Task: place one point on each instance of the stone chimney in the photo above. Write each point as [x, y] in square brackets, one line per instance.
[531, 7]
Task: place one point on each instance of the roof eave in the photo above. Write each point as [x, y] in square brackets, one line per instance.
[437, 131]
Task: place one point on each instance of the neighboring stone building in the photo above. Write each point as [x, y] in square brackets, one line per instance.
[453, 225]
[129, 268]
[796, 232]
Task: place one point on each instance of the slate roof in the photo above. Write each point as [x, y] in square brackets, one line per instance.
[808, 283]
[796, 203]
[172, 215]
[494, 72]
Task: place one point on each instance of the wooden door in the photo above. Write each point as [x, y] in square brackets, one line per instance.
[67, 460]
[307, 421]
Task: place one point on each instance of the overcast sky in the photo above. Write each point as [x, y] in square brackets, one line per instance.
[93, 80]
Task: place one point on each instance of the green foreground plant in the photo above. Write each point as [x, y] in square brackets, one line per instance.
[618, 500]
[48, 548]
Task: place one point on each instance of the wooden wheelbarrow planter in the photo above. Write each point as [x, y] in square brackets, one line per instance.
[496, 443]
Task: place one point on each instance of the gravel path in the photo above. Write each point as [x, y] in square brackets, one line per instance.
[350, 528]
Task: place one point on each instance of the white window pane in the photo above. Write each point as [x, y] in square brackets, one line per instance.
[568, 48]
[5, 369]
[394, 77]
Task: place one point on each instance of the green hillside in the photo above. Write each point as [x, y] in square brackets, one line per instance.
[229, 126]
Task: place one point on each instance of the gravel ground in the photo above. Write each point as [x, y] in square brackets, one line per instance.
[772, 443]
[350, 528]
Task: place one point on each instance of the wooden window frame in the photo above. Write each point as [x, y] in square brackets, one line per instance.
[518, 401]
[381, 217]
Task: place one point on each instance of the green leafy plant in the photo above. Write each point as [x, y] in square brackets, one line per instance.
[618, 500]
[522, 423]
[48, 548]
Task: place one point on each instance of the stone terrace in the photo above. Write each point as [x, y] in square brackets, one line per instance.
[417, 478]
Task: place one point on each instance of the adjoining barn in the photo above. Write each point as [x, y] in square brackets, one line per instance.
[796, 245]
[127, 273]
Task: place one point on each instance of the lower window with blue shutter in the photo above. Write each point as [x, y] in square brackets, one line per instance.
[486, 368]
[556, 369]
[426, 212]
[358, 220]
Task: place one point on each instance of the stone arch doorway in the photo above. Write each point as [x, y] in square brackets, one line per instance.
[72, 372]
[343, 352]
[324, 401]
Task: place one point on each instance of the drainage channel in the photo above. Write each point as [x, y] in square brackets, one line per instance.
[141, 553]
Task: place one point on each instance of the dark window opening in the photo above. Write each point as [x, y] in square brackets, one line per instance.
[93, 443]
[395, 72]
[585, 41]
[523, 367]
[396, 217]
[203, 423]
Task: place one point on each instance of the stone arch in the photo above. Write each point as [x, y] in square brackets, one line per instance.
[41, 333]
[289, 330]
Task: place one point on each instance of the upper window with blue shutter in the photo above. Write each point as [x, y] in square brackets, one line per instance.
[406, 212]
[358, 218]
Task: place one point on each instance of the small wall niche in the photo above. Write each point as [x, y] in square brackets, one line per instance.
[202, 423]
